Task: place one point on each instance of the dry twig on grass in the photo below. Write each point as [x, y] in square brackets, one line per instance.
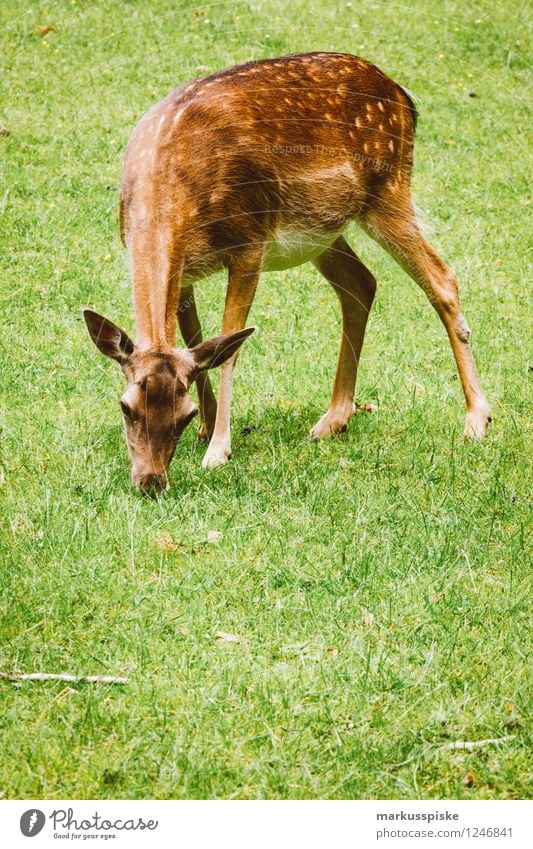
[477, 744]
[64, 676]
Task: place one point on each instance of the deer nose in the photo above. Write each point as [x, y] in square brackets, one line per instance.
[151, 484]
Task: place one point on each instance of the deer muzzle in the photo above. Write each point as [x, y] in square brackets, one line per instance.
[150, 484]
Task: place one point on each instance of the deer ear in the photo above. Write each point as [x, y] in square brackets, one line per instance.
[108, 338]
[215, 351]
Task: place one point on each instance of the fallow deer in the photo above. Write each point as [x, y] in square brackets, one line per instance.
[256, 168]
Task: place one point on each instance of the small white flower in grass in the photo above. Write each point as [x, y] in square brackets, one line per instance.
[214, 536]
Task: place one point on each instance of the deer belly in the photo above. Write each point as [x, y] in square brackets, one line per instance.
[287, 248]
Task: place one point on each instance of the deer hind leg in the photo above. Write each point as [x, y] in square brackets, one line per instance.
[398, 232]
[355, 287]
[192, 334]
[243, 279]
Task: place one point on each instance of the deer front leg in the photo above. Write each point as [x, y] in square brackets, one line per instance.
[192, 335]
[354, 286]
[243, 277]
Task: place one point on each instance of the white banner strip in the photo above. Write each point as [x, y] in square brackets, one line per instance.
[267, 824]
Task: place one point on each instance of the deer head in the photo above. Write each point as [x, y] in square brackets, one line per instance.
[156, 406]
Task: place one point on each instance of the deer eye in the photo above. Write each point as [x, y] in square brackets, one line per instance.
[126, 410]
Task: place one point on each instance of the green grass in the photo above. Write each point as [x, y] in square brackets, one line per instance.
[381, 599]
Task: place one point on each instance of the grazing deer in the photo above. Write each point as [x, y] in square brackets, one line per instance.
[260, 167]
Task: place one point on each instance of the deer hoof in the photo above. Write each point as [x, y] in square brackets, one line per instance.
[203, 434]
[216, 455]
[476, 424]
[331, 424]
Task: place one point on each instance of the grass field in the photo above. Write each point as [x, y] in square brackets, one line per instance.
[378, 582]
